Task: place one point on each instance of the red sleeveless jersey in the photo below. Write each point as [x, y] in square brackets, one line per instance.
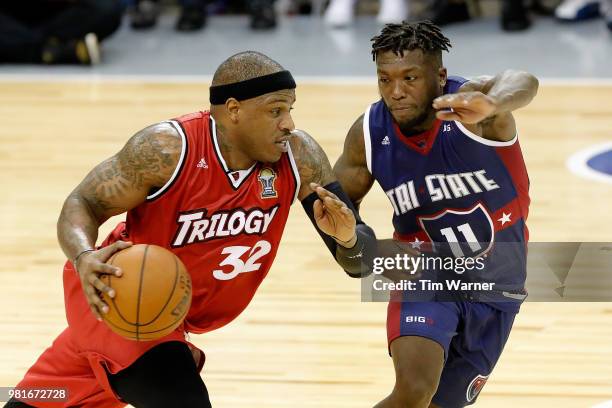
[224, 226]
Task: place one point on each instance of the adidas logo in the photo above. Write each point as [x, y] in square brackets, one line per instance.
[386, 141]
[202, 164]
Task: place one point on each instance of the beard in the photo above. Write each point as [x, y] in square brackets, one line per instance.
[413, 125]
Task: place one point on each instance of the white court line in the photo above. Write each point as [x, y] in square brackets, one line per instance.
[606, 404]
[206, 79]
[577, 162]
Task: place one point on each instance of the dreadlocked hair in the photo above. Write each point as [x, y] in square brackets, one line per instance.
[408, 36]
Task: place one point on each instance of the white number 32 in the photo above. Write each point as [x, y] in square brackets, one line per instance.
[234, 254]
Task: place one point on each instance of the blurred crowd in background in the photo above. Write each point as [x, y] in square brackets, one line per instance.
[70, 31]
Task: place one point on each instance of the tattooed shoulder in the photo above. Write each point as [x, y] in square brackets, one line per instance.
[123, 181]
[312, 162]
[151, 155]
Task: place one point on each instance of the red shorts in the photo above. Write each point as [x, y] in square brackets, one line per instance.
[82, 354]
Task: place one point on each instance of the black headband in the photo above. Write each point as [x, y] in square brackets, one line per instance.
[251, 87]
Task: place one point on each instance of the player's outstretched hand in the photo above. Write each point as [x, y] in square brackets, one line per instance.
[467, 107]
[332, 215]
[90, 266]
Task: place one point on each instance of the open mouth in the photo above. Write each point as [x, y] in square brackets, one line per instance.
[283, 145]
[283, 142]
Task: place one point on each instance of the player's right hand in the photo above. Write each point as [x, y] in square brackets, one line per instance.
[465, 107]
[90, 266]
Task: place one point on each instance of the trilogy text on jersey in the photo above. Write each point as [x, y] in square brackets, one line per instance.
[194, 226]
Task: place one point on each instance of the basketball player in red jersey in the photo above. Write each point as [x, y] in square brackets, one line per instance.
[213, 187]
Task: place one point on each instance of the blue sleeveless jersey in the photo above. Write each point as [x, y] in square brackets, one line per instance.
[457, 194]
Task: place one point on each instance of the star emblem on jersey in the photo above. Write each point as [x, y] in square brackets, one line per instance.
[416, 244]
[202, 164]
[266, 178]
[386, 141]
[505, 218]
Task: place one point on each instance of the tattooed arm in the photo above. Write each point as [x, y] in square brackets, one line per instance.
[312, 162]
[116, 185]
[331, 214]
[350, 241]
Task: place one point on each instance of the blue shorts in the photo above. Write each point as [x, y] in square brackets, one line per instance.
[473, 336]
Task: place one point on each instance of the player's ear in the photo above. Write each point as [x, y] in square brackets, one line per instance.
[233, 107]
[443, 75]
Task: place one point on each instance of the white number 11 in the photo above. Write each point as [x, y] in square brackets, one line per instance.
[469, 236]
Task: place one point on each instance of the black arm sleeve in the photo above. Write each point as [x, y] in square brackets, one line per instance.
[356, 261]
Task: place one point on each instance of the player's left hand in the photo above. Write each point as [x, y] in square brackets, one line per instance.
[332, 215]
[468, 107]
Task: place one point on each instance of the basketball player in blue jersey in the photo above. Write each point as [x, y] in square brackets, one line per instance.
[445, 151]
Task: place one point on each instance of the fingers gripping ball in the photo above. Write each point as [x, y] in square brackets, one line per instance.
[153, 295]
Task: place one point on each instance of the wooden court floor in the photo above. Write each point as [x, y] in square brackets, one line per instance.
[306, 340]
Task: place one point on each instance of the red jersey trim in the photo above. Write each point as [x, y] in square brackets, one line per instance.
[429, 136]
[179, 165]
[515, 166]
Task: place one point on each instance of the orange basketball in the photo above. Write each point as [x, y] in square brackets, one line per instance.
[153, 295]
